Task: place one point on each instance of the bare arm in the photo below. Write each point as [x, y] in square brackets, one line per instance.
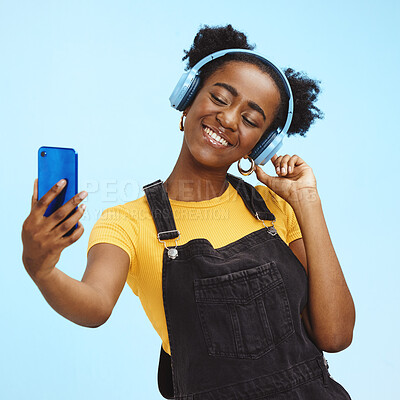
[88, 302]
[329, 316]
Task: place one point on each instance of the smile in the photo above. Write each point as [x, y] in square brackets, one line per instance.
[215, 139]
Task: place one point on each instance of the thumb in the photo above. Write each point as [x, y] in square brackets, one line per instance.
[264, 177]
[35, 194]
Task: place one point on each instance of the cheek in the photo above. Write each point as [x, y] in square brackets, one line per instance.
[201, 105]
[251, 138]
[198, 110]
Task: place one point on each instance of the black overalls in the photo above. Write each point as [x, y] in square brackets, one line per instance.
[233, 314]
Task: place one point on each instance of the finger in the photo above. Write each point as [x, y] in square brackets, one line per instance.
[292, 163]
[69, 223]
[59, 215]
[271, 181]
[264, 177]
[41, 205]
[68, 240]
[298, 160]
[283, 166]
[277, 164]
[35, 194]
[274, 157]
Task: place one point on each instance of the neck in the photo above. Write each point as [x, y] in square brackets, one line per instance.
[191, 181]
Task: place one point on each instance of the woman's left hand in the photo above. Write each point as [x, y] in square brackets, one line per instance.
[294, 176]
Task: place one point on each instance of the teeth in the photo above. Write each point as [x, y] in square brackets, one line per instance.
[216, 137]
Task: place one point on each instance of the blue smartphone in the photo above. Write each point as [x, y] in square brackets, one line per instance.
[54, 164]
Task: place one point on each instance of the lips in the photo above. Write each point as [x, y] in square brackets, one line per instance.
[215, 136]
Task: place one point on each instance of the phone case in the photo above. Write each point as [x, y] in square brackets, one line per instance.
[54, 164]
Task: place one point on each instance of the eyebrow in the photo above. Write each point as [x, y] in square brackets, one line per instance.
[234, 92]
[256, 107]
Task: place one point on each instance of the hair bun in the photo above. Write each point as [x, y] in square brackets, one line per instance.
[211, 39]
[305, 93]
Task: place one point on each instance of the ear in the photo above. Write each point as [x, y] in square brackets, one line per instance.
[187, 109]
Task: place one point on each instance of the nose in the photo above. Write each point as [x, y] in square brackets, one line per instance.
[228, 118]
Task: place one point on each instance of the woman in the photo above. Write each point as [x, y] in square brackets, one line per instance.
[244, 307]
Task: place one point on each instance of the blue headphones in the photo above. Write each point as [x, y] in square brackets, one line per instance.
[186, 90]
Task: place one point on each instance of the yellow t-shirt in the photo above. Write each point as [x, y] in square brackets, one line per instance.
[221, 220]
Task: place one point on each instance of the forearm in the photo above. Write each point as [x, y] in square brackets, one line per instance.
[330, 305]
[73, 299]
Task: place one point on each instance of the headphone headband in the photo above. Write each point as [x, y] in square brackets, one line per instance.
[222, 53]
[188, 84]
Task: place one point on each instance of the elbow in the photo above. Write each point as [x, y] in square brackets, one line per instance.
[103, 320]
[334, 338]
[100, 321]
[335, 343]
[103, 314]
[97, 325]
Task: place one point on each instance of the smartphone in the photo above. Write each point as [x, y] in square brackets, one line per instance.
[54, 164]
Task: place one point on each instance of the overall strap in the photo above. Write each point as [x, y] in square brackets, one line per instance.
[251, 198]
[161, 210]
[163, 217]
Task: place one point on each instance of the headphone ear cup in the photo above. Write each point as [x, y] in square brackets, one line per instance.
[264, 150]
[189, 95]
[262, 144]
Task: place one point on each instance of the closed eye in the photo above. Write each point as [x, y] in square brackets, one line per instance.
[218, 100]
[249, 122]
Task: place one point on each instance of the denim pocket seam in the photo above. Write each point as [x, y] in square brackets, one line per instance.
[201, 285]
[237, 337]
[220, 280]
[207, 337]
[244, 300]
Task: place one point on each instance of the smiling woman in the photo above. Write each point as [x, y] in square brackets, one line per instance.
[231, 103]
[241, 283]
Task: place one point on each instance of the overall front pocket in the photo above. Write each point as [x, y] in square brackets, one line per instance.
[244, 314]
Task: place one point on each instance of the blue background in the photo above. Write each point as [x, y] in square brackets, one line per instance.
[96, 76]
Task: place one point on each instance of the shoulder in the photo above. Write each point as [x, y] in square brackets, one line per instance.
[272, 199]
[129, 212]
[284, 213]
[122, 220]
[120, 225]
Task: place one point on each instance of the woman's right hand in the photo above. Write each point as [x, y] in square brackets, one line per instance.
[42, 237]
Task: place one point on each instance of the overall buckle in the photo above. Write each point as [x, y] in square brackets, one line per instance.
[172, 251]
[271, 229]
